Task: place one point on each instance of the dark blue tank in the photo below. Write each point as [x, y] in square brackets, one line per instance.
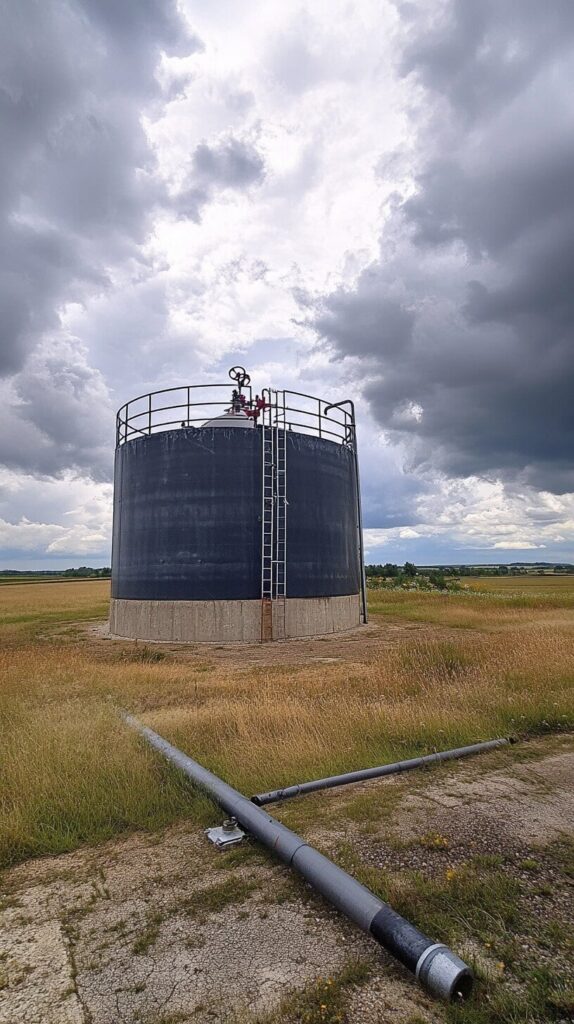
[187, 516]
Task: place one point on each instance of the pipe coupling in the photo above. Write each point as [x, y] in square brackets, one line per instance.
[443, 973]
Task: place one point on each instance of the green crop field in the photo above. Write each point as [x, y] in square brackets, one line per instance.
[534, 585]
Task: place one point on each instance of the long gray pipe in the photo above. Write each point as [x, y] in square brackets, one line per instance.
[373, 773]
[435, 966]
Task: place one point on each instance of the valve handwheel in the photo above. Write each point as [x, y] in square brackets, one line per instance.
[240, 376]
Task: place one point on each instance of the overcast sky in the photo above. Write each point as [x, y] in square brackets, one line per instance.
[371, 199]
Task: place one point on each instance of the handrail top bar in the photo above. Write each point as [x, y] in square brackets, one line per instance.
[163, 391]
[196, 405]
[286, 391]
[318, 420]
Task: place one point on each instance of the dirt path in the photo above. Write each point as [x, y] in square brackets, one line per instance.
[164, 928]
[362, 643]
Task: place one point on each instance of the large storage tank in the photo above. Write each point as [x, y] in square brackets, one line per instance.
[235, 518]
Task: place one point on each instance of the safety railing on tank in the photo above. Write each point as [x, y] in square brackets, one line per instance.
[193, 405]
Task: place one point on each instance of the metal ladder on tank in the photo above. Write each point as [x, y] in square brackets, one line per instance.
[280, 561]
[274, 517]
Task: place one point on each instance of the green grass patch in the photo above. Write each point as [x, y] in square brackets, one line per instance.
[458, 902]
[216, 898]
[149, 933]
[561, 853]
[323, 1000]
[95, 779]
[468, 609]
[543, 997]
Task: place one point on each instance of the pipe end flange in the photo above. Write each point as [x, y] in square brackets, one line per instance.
[444, 974]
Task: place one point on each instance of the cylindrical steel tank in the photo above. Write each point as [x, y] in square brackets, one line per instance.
[227, 534]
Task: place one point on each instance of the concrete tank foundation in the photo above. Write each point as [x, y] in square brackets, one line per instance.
[232, 621]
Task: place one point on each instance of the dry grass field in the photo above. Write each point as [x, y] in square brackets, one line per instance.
[71, 773]
[494, 660]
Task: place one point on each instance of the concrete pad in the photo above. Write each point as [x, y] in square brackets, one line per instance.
[38, 978]
[231, 621]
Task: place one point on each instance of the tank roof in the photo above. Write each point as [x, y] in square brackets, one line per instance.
[230, 419]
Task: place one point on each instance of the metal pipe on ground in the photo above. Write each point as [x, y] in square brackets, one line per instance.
[374, 773]
[437, 968]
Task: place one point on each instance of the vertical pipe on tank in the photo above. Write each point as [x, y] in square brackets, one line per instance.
[117, 518]
[365, 613]
[338, 405]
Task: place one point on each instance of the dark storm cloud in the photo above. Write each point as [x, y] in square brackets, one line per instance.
[466, 320]
[59, 417]
[229, 163]
[79, 186]
[478, 56]
[368, 322]
[77, 173]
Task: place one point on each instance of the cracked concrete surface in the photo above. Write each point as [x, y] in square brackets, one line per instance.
[75, 921]
[36, 968]
[531, 800]
[210, 969]
[131, 932]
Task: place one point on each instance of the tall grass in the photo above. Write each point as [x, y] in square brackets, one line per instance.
[70, 778]
[270, 730]
[70, 772]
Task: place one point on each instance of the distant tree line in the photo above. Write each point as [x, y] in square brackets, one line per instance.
[83, 572]
[391, 571]
[405, 575]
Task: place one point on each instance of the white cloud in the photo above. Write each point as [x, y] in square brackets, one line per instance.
[517, 545]
[50, 538]
[484, 516]
[76, 523]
